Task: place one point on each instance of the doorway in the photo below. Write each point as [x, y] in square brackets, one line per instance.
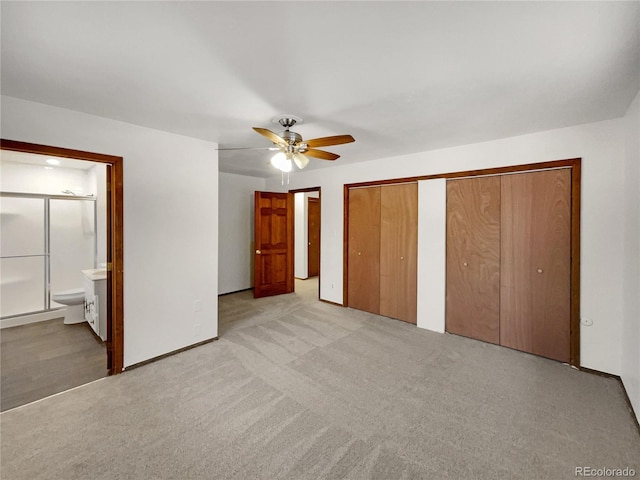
[313, 236]
[307, 237]
[114, 239]
[281, 241]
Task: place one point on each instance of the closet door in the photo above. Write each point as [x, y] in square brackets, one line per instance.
[473, 258]
[535, 263]
[399, 251]
[364, 249]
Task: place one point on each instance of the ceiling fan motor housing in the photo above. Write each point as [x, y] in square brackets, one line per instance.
[291, 137]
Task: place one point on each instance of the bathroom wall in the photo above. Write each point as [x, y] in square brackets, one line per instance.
[26, 178]
[97, 185]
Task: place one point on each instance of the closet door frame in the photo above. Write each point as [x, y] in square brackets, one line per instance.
[572, 163]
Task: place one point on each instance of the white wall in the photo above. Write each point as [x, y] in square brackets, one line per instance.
[432, 240]
[630, 371]
[601, 147]
[235, 247]
[170, 221]
[300, 235]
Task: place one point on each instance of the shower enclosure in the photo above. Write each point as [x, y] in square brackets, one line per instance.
[45, 243]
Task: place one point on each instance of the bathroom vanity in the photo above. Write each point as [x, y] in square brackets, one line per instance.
[95, 300]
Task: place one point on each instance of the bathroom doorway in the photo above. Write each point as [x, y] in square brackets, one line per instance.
[61, 205]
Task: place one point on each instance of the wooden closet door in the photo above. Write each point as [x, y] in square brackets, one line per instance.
[399, 251]
[536, 262]
[364, 249]
[473, 258]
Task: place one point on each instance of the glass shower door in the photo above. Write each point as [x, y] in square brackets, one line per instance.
[72, 242]
[23, 257]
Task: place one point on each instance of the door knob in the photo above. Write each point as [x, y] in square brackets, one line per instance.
[309, 243]
[401, 258]
[258, 252]
[359, 253]
[465, 264]
[539, 270]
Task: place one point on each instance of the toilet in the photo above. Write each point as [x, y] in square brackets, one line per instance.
[74, 300]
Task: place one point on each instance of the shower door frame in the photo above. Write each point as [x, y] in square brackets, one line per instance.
[115, 250]
[47, 240]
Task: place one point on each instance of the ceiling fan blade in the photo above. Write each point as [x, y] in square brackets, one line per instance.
[249, 148]
[277, 139]
[326, 141]
[321, 154]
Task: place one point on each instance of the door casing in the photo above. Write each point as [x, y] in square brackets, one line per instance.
[115, 248]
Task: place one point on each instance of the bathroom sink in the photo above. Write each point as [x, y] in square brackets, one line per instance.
[95, 274]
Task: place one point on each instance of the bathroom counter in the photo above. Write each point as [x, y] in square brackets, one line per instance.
[95, 274]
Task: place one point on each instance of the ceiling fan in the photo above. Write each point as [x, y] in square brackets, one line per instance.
[293, 149]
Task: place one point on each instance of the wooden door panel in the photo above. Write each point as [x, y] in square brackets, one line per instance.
[399, 251]
[473, 258]
[273, 268]
[363, 285]
[273, 234]
[313, 236]
[536, 263]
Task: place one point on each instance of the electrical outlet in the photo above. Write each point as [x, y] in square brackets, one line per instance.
[197, 306]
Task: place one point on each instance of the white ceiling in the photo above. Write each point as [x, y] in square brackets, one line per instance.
[401, 77]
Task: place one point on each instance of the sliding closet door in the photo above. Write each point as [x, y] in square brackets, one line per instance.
[364, 249]
[536, 260]
[473, 258]
[399, 251]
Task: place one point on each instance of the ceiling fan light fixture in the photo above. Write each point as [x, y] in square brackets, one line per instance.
[281, 162]
[277, 159]
[300, 160]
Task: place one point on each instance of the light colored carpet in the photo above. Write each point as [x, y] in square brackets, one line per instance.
[301, 389]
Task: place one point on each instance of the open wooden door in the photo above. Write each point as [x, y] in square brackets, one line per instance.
[273, 234]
